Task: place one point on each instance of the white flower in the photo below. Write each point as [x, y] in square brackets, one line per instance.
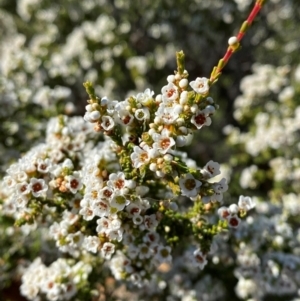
[150, 222]
[140, 157]
[116, 181]
[68, 164]
[169, 93]
[183, 97]
[144, 251]
[189, 185]
[201, 119]
[142, 114]
[137, 219]
[133, 209]
[125, 117]
[73, 182]
[167, 115]
[116, 235]
[106, 193]
[199, 259]
[163, 254]
[221, 186]
[133, 251]
[23, 188]
[107, 250]
[21, 201]
[145, 97]
[91, 243]
[224, 212]
[44, 166]
[107, 123]
[101, 208]
[111, 104]
[118, 202]
[75, 239]
[163, 142]
[151, 237]
[233, 221]
[38, 187]
[104, 225]
[246, 203]
[211, 169]
[87, 210]
[200, 85]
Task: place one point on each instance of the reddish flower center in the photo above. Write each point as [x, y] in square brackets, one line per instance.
[200, 119]
[171, 92]
[165, 143]
[134, 210]
[107, 193]
[37, 187]
[119, 183]
[234, 222]
[126, 119]
[74, 183]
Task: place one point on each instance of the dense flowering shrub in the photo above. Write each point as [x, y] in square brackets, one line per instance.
[121, 200]
[267, 163]
[111, 199]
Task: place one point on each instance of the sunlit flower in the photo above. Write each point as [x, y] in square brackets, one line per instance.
[200, 85]
[189, 185]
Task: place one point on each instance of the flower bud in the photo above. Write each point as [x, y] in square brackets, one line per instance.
[94, 116]
[194, 108]
[104, 101]
[183, 83]
[153, 167]
[170, 78]
[183, 130]
[168, 157]
[160, 174]
[233, 41]
[180, 141]
[89, 108]
[183, 97]
[233, 208]
[210, 100]
[158, 98]
[131, 184]
[177, 76]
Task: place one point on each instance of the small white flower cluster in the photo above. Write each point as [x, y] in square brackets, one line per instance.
[230, 214]
[267, 272]
[159, 125]
[190, 186]
[268, 256]
[59, 281]
[168, 118]
[47, 168]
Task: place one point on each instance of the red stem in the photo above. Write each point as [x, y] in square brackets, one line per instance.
[227, 55]
[257, 7]
[254, 12]
[240, 36]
